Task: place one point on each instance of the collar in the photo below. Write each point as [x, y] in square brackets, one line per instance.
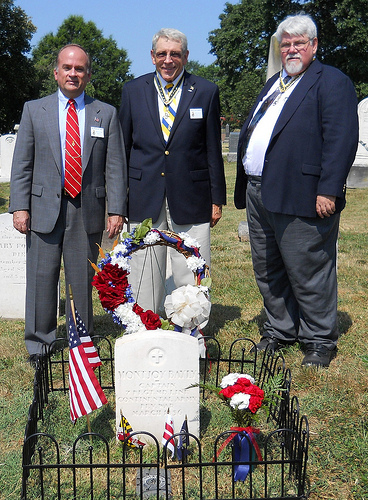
[64, 100]
[164, 82]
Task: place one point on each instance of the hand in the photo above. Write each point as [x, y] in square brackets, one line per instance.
[22, 221]
[216, 214]
[325, 205]
[115, 225]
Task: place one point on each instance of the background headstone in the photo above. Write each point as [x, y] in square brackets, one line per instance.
[233, 146]
[7, 144]
[13, 269]
[358, 175]
[153, 370]
[243, 231]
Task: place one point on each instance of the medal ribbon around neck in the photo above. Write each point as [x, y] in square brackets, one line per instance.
[284, 86]
[171, 94]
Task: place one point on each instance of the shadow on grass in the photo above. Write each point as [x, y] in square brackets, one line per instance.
[344, 321]
[220, 315]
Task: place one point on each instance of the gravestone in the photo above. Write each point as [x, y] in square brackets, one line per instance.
[233, 146]
[7, 144]
[153, 370]
[358, 175]
[13, 269]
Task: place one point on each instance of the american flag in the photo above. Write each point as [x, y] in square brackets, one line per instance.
[84, 337]
[168, 433]
[124, 432]
[85, 393]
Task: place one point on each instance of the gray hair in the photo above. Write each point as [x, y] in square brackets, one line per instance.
[89, 61]
[298, 25]
[170, 34]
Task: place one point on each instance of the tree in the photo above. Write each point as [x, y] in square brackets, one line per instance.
[110, 66]
[241, 45]
[342, 33]
[16, 71]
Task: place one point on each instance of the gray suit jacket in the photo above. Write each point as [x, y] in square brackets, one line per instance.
[36, 177]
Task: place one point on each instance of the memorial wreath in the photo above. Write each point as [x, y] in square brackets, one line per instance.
[187, 308]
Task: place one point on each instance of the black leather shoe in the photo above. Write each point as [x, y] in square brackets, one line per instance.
[270, 343]
[318, 356]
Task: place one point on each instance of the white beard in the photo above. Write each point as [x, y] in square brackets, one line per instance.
[293, 67]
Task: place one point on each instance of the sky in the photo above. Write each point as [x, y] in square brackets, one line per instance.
[132, 23]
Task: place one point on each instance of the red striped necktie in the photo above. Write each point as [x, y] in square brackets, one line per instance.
[73, 158]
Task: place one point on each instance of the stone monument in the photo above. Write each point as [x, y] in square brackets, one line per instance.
[358, 176]
[13, 269]
[233, 146]
[153, 372]
[7, 144]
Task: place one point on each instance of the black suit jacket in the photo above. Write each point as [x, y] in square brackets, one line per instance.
[188, 170]
[312, 146]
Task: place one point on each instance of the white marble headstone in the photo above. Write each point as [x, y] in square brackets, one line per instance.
[13, 269]
[7, 144]
[153, 370]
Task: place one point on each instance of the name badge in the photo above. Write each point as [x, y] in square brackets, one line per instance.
[195, 113]
[97, 132]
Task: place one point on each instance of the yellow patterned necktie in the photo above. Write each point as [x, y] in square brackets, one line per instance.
[169, 113]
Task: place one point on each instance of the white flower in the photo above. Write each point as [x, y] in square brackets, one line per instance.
[188, 307]
[151, 238]
[122, 262]
[188, 240]
[194, 263]
[232, 378]
[229, 380]
[129, 318]
[120, 247]
[240, 401]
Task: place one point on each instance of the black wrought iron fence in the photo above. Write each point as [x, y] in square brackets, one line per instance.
[91, 469]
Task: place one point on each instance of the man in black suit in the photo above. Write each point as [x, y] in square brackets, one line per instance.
[295, 152]
[175, 167]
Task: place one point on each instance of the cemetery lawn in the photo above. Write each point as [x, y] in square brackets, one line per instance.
[335, 400]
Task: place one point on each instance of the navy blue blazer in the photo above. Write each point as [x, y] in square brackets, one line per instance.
[312, 146]
[189, 169]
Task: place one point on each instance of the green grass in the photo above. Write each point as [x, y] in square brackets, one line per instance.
[334, 400]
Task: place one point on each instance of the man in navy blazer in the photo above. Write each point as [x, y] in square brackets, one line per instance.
[295, 152]
[175, 168]
[55, 223]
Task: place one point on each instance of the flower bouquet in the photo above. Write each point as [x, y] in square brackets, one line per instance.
[187, 308]
[246, 401]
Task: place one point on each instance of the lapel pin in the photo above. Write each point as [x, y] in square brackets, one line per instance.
[97, 119]
[191, 89]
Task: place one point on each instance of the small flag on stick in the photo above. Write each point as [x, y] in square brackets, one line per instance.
[85, 393]
[124, 432]
[168, 433]
[181, 450]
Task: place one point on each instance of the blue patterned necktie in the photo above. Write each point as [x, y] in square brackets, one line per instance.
[261, 111]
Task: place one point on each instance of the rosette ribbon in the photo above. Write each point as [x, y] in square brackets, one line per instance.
[188, 308]
[244, 444]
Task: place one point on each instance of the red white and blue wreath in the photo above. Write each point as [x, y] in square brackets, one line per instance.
[187, 308]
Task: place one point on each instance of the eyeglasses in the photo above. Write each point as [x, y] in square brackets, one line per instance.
[285, 47]
[172, 55]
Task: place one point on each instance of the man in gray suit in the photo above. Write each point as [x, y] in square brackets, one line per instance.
[56, 222]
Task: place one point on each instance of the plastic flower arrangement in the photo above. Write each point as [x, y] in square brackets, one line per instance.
[240, 393]
[187, 308]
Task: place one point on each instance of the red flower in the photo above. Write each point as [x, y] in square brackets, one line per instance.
[111, 283]
[150, 320]
[245, 386]
[137, 309]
